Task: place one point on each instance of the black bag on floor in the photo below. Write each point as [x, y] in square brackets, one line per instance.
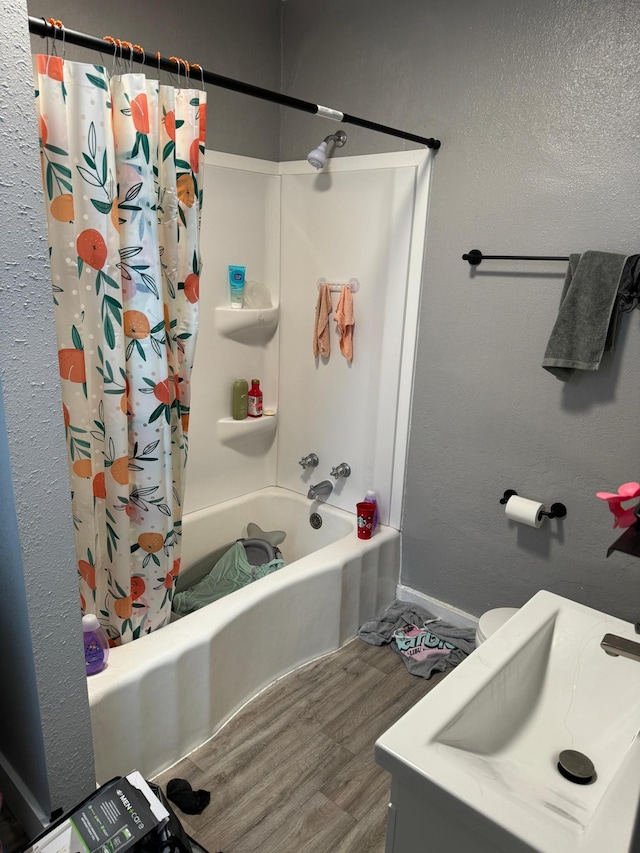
[169, 838]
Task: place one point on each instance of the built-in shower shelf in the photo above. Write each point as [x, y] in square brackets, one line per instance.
[231, 431]
[230, 321]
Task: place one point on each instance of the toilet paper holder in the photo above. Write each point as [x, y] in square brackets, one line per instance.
[556, 510]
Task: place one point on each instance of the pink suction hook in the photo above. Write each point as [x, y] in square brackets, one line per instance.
[627, 491]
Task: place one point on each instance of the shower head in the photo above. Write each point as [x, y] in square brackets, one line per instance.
[318, 157]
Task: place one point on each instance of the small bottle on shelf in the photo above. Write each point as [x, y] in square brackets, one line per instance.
[254, 399]
[240, 399]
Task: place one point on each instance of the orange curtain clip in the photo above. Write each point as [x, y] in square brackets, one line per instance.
[200, 69]
[182, 64]
[57, 25]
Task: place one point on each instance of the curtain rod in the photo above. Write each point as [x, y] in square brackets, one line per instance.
[41, 27]
[476, 257]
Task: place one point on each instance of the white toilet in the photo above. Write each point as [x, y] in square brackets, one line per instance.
[490, 621]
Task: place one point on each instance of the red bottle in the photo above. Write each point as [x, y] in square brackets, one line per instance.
[254, 400]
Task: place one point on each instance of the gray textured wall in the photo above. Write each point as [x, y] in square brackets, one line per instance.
[30, 383]
[536, 105]
[21, 742]
[235, 38]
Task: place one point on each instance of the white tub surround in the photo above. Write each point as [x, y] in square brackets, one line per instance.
[240, 225]
[170, 691]
[363, 217]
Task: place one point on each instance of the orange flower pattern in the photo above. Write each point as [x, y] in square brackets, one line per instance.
[122, 163]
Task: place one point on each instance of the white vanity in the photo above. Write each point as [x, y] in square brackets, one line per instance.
[474, 764]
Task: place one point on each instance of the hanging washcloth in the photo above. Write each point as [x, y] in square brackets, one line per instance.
[321, 343]
[345, 321]
[586, 324]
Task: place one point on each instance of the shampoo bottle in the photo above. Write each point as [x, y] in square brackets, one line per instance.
[372, 498]
[240, 399]
[96, 644]
[255, 399]
[236, 285]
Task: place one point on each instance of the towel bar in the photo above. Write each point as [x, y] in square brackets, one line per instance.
[476, 257]
[335, 286]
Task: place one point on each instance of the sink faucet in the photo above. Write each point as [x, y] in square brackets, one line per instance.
[322, 489]
[620, 647]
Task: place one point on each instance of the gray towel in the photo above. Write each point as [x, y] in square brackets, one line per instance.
[586, 324]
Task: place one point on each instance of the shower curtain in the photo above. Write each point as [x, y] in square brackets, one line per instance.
[122, 163]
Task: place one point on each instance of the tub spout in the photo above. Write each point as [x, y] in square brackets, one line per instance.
[320, 490]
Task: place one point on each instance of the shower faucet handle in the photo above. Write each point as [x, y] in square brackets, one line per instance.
[341, 470]
[309, 461]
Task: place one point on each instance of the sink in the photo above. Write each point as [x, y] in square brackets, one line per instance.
[480, 752]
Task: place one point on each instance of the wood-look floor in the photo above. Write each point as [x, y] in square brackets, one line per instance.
[295, 770]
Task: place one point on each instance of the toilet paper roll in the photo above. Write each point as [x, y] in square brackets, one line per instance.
[524, 511]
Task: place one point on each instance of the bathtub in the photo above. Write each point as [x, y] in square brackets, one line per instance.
[167, 693]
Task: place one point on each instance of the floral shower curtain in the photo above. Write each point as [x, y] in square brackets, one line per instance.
[122, 162]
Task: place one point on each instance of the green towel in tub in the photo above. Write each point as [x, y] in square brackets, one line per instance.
[232, 571]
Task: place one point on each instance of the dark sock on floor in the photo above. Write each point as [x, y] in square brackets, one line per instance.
[180, 792]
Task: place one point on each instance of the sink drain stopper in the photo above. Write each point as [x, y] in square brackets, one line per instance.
[576, 767]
